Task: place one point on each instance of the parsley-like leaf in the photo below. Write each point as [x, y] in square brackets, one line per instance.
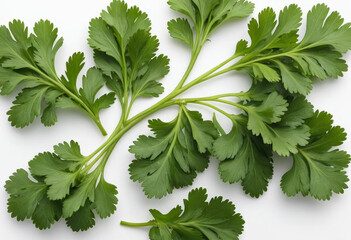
[172, 158]
[30, 59]
[244, 157]
[205, 16]
[200, 219]
[318, 170]
[28, 200]
[125, 52]
[275, 53]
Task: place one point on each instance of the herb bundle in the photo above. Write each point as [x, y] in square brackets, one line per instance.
[275, 117]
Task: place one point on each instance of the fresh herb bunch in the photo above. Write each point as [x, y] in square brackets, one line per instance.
[30, 59]
[275, 115]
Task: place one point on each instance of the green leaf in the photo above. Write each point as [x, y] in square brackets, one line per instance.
[74, 66]
[262, 71]
[69, 151]
[231, 9]
[318, 170]
[298, 111]
[46, 46]
[323, 29]
[125, 22]
[24, 195]
[228, 145]
[31, 60]
[44, 163]
[9, 80]
[60, 183]
[92, 83]
[185, 7]
[265, 120]
[28, 201]
[104, 102]
[82, 220]
[180, 29]
[274, 43]
[78, 197]
[65, 102]
[13, 51]
[101, 37]
[244, 157]
[294, 81]
[146, 85]
[46, 213]
[141, 48]
[105, 199]
[27, 106]
[200, 219]
[171, 159]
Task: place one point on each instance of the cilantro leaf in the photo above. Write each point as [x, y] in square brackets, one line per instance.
[178, 151]
[27, 106]
[318, 170]
[82, 220]
[180, 29]
[274, 45]
[265, 120]
[64, 189]
[245, 158]
[205, 16]
[28, 201]
[125, 51]
[200, 219]
[46, 47]
[30, 59]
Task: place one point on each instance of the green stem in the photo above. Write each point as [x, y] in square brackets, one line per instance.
[167, 101]
[230, 116]
[146, 224]
[206, 76]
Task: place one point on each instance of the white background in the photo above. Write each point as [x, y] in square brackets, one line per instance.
[273, 216]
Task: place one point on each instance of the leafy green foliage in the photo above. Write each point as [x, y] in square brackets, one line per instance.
[64, 189]
[30, 59]
[172, 158]
[245, 158]
[205, 17]
[200, 219]
[275, 117]
[125, 52]
[317, 169]
[276, 55]
[265, 119]
[28, 200]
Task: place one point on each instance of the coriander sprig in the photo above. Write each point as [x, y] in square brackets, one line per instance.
[30, 59]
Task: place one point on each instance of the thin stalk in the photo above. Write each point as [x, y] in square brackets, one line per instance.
[205, 76]
[230, 116]
[146, 224]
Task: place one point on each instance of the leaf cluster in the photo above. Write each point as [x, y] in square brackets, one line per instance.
[29, 60]
[275, 116]
[125, 51]
[276, 55]
[62, 187]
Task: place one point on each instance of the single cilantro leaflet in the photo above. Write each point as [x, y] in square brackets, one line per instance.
[30, 59]
[200, 219]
